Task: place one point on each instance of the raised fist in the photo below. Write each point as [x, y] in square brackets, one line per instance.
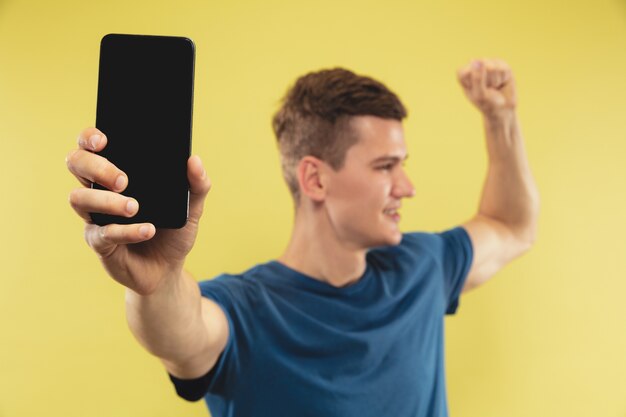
[489, 85]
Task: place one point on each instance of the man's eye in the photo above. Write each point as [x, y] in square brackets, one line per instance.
[386, 167]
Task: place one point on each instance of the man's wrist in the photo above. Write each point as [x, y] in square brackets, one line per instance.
[171, 280]
[500, 117]
[168, 283]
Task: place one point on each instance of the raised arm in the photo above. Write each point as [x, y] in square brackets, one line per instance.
[164, 308]
[505, 226]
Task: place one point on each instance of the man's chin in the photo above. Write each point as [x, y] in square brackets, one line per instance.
[391, 240]
[396, 239]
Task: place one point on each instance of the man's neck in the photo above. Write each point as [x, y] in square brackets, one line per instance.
[315, 251]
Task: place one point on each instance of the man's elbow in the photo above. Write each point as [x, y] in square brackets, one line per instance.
[526, 234]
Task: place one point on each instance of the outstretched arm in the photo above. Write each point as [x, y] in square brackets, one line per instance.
[505, 226]
[164, 308]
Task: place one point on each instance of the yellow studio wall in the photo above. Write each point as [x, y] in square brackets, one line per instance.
[547, 337]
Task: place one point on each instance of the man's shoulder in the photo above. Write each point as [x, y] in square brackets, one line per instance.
[432, 242]
[247, 280]
[409, 243]
[417, 246]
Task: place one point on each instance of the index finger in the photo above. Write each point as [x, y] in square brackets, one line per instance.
[464, 76]
[92, 139]
[92, 168]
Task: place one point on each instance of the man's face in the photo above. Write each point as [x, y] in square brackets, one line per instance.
[363, 197]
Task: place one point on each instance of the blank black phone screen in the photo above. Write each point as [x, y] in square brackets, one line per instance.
[144, 107]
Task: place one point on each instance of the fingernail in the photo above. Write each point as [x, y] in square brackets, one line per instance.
[477, 65]
[131, 206]
[203, 173]
[144, 231]
[120, 182]
[94, 141]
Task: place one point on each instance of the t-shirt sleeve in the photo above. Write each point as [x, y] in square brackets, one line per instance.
[196, 388]
[457, 255]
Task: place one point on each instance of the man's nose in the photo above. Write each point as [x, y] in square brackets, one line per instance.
[403, 187]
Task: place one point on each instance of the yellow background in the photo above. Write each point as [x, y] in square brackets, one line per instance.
[547, 337]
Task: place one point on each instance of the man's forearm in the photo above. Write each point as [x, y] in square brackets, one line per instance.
[510, 194]
[168, 322]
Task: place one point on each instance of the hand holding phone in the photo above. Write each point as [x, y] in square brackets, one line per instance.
[136, 255]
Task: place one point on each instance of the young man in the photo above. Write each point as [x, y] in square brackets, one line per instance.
[349, 320]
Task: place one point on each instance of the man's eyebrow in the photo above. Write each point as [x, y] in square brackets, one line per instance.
[389, 158]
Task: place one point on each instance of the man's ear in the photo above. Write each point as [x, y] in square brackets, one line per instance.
[309, 173]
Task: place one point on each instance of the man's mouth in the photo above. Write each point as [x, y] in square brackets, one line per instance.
[393, 213]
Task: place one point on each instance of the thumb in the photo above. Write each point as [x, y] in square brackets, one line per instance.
[199, 186]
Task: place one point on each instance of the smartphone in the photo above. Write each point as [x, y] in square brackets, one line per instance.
[145, 107]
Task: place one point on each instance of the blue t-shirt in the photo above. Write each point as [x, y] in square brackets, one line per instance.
[301, 347]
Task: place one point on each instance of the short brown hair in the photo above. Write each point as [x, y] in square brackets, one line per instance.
[315, 113]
